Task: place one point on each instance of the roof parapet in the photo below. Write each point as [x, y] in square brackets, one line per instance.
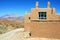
[37, 4]
[48, 5]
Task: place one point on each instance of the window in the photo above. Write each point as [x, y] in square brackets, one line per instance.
[42, 15]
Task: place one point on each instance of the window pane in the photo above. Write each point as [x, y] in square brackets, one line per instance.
[42, 15]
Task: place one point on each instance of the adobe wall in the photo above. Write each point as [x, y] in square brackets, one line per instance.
[26, 22]
[50, 13]
[45, 29]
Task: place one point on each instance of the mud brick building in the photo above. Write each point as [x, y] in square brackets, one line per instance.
[42, 22]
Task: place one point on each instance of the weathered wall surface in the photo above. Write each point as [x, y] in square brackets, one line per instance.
[26, 22]
[45, 29]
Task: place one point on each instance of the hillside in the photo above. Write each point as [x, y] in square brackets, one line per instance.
[7, 25]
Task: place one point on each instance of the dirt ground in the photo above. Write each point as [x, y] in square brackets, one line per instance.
[19, 34]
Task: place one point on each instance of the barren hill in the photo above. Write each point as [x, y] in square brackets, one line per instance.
[7, 25]
[12, 17]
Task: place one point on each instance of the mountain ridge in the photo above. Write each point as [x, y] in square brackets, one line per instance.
[12, 17]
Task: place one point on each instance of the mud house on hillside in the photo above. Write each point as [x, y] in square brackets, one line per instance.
[42, 22]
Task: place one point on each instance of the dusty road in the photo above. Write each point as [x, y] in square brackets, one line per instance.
[16, 34]
[19, 34]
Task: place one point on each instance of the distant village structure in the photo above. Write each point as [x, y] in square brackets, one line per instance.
[42, 22]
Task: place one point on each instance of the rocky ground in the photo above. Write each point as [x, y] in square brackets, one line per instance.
[19, 34]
